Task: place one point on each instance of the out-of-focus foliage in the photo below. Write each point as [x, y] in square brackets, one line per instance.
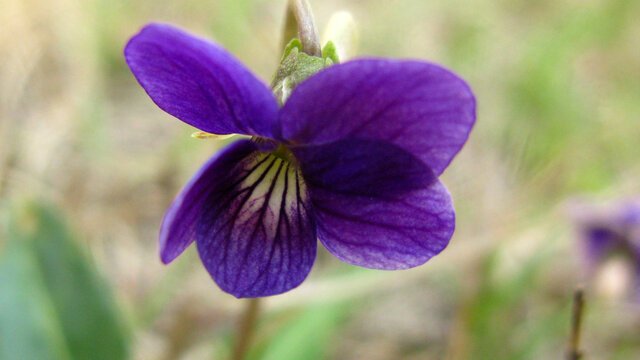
[28, 325]
[557, 85]
[307, 336]
[54, 303]
[498, 305]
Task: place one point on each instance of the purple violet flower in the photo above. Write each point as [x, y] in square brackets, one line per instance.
[352, 158]
[612, 232]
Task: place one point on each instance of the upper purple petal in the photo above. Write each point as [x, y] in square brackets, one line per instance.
[252, 221]
[200, 83]
[420, 107]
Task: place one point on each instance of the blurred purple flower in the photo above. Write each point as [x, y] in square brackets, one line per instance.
[352, 158]
[610, 233]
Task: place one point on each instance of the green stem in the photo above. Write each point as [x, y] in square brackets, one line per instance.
[573, 352]
[246, 328]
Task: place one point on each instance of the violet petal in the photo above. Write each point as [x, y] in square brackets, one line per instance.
[200, 83]
[376, 205]
[255, 231]
[363, 167]
[178, 227]
[420, 107]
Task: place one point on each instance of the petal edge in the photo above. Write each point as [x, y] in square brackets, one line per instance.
[386, 234]
[200, 83]
[177, 231]
[418, 106]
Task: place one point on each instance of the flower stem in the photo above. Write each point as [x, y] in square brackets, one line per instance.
[300, 17]
[246, 328]
[573, 353]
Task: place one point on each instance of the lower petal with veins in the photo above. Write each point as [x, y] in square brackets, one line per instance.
[256, 234]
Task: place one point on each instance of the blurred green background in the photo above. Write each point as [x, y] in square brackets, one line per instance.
[88, 165]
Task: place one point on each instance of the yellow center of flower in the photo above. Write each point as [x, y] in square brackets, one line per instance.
[283, 153]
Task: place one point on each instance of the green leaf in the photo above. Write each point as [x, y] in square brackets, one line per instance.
[29, 329]
[79, 298]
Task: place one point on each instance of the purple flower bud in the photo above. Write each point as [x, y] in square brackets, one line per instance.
[612, 234]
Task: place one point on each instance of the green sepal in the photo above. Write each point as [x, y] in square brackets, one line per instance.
[295, 67]
[293, 44]
[329, 52]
